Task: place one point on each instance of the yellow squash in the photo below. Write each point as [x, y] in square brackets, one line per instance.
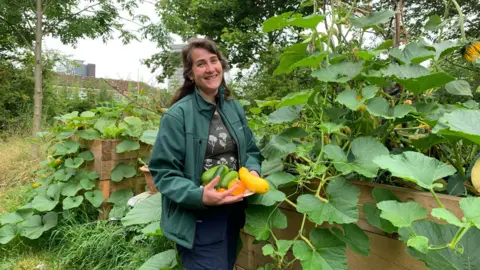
[475, 174]
[253, 183]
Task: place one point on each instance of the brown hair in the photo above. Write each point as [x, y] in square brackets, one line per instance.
[189, 85]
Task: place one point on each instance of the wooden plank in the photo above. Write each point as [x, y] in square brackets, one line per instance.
[107, 187]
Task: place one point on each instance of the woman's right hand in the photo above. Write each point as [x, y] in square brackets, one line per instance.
[213, 197]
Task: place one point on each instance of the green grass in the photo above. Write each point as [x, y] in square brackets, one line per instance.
[102, 245]
[79, 241]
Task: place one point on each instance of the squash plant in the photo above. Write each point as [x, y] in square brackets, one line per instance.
[373, 116]
[65, 182]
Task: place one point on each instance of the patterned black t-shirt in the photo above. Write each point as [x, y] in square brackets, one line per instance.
[221, 147]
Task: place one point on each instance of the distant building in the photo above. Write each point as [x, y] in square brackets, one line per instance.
[78, 68]
[176, 80]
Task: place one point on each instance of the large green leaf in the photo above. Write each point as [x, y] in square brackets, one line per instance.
[104, 122]
[132, 126]
[364, 149]
[149, 136]
[64, 174]
[282, 248]
[439, 235]
[459, 88]
[86, 155]
[88, 134]
[415, 167]
[380, 107]
[419, 243]
[152, 229]
[73, 163]
[43, 203]
[404, 71]
[120, 197]
[372, 215]
[382, 194]
[402, 214]
[471, 210]
[444, 214]
[295, 98]
[95, 197]
[341, 206]
[279, 179]
[163, 260]
[290, 19]
[68, 147]
[145, 211]
[354, 101]
[276, 22]
[445, 47]
[372, 20]
[87, 184]
[71, 189]
[419, 85]
[72, 202]
[87, 114]
[280, 145]
[121, 171]
[416, 78]
[15, 217]
[35, 226]
[309, 22]
[460, 123]
[412, 53]
[117, 212]
[65, 135]
[434, 23]
[426, 142]
[340, 72]
[311, 61]
[7, 233]
[329, 252]
[127, 145]
[273, 165]
[262, 219]
[285, 114]
[290, 56]
[354, 237]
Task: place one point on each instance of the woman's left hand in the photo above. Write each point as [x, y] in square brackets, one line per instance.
[254, 173]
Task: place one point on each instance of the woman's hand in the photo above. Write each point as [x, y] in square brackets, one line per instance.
[213, 197]
[254, 173]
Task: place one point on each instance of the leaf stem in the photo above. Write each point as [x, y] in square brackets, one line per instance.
[458, 236]
[458, 161]
[290, 202]
[445, 15]
[461, 20]
[307, 241]
[437, 248]
[437, 199]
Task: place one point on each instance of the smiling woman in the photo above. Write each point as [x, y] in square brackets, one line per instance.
[203, 128]
[203, 67]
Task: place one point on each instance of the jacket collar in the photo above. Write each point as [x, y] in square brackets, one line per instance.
[206, 107]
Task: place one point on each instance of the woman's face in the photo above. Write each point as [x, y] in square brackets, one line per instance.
[207, 70]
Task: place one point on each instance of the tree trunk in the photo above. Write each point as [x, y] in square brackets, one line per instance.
[398, 20]
[38, 95]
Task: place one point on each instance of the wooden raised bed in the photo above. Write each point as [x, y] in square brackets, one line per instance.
[385, 252]
[106, 159]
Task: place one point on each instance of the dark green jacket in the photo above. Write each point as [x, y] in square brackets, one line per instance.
[177, 159]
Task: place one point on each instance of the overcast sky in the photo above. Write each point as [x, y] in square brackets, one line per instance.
[113, 59]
